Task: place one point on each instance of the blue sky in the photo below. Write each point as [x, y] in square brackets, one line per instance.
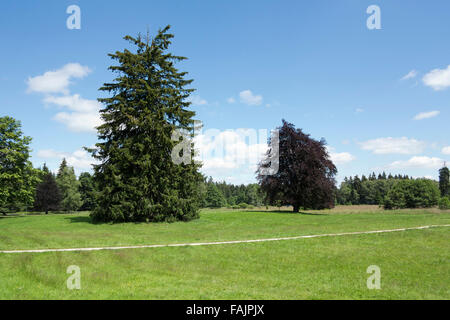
[379, 97]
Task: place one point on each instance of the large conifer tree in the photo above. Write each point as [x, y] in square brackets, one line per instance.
[136, 177]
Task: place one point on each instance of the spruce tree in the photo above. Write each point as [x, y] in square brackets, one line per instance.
[48, 196]
[69, 187]
[87, 191]
[136, 177]
[444, 184]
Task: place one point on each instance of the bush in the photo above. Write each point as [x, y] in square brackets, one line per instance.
[420, 193]
[444, 203]
[243, 205]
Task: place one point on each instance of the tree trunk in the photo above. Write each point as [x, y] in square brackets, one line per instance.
[296, 208]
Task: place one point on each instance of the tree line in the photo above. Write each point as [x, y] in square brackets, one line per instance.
[222, 194]
[135, 179]
[395, 191]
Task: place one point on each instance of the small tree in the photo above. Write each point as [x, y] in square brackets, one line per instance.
[48, 196]
[214, 197]
[444, 184]
[444, 203]
[87, 191]
[306, 174]
[68, 185]
[18, 178]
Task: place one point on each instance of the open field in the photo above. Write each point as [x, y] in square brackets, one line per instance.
[414, 264]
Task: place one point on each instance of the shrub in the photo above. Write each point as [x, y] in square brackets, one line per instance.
[444, 203]
[243, 205]
[420, 193]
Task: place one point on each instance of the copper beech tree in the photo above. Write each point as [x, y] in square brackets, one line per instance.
[305, 178]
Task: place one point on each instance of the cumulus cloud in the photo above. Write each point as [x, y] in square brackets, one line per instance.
[446, 150]
[422, 162]
[230, 149]
[339, 157]
[410, 75]
[231, 100]
[391, 145]
[57, 81]
[82, 114]
[249, 98]
[85, 116]
[196, 100]
[438, 79]
[231, 153]
[426, 115]
[79, 159]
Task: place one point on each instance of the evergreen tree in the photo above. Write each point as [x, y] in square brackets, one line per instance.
[87, 191]
[18, 178]
[444, 184]
[214, 197]
[48, 196]
[136, 177]
[69, 188]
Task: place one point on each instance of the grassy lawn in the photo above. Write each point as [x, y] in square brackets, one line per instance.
[414, 264]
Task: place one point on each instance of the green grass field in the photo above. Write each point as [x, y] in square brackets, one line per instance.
[414, 264]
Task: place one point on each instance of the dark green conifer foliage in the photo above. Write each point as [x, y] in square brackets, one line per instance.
[136, 177]
[48, 197]
[444, 183]
[87, 191]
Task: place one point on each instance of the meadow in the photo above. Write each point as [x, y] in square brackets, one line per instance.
[414, 264]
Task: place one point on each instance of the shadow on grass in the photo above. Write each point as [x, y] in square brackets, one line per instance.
[289, 212]
[83, 219]
[12, 215]
[87, 219]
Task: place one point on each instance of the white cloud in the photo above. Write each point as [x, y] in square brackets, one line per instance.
[359, 110]
[230, 153]
[231, 100]
[57, 81]
[249, 98]
[79, 159]
[391, 145]
[426, 115]
[410, 75]
[79, 122]
[423, 162]
[196, 100]
[85, 116]
[438, 79]
[446, 150]
[340, 157]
